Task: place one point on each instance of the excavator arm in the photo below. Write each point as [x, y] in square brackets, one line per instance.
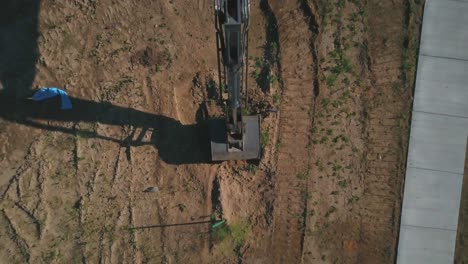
[238, 136]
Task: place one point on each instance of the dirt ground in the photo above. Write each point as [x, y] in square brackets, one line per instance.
[142, 78]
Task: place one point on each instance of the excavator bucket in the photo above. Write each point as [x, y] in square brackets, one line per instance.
[220, 149]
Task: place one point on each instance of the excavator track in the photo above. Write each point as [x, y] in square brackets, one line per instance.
[295, 126]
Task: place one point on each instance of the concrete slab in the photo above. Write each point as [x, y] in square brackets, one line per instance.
[441, 86]
[438, 137]
[432, 199]
[425, 245]
[437, 142]
[444, 32]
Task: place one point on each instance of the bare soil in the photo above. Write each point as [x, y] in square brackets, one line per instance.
[333, 81]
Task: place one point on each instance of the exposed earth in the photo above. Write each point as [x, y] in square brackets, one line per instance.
[142, 77]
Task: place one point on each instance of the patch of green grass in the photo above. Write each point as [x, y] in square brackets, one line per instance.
[236, 233]
[221, 233]
[239, 233]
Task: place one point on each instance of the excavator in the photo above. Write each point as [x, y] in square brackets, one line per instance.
[235, 136]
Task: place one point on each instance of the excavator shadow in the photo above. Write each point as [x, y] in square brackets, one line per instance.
[176, 143]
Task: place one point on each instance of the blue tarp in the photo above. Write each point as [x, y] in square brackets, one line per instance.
[46, 93]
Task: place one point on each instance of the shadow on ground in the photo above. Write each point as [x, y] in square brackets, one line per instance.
[18, 45]
[176, 143]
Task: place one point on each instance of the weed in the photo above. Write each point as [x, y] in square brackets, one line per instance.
[353, 199]
[343, 138]
[341, 3]
[319, 165]
[305, 195]
[279, 143]
[181, 207]
[167, 55]
[330, 80]
[259, 63]
[303, 175]
[343, 183]
[330, 211]
[406, 66]
[323, 140]
[337, 167]
[264, 138]
[335, 193]
[51, 26]
[60, 174]
[354, 17]
[396, 87]
[325, 102]
[276, 98]
[51, 256]
[273, 79]
[252, 168]
[222, 87]
[343, 65]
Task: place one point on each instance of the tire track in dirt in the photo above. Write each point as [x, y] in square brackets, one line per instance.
[14, 236]
[386, 150]
[297, 60]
